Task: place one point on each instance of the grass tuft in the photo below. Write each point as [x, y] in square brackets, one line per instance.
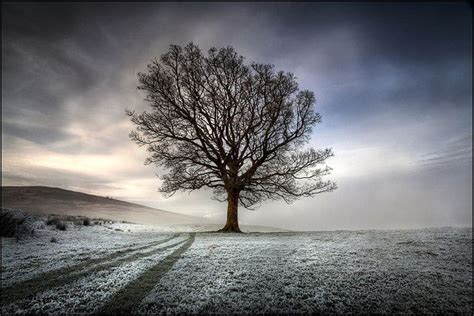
[61, 225]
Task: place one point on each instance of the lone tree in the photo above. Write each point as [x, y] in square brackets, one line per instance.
[238, 129]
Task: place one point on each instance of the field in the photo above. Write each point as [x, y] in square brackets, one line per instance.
[129, 268]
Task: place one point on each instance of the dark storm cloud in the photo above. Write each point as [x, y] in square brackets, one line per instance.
[423, 49]
[55, 53]
[413, 32]
[410, 56]
[35, 43]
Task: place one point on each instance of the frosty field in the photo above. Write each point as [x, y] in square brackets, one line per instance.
[133, 268]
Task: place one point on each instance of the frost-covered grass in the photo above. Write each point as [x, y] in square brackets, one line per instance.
[98, 268]
[22, 260]
[89, 293]
[420, 271]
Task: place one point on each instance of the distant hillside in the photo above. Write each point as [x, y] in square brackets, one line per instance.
[48, 200]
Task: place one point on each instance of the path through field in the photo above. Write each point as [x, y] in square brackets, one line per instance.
[418, 271]
[97, 284]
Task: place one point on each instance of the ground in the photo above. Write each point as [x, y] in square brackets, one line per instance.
[121, 267]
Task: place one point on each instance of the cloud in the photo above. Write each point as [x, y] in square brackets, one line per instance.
[393, 83]
[453, 151]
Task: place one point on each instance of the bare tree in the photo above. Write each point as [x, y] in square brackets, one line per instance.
[238, 129]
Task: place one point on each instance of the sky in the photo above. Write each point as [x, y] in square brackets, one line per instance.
[393, 83]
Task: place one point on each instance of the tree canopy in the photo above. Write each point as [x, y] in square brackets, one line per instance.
[239, 129]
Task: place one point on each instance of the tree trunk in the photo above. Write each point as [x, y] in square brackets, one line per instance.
[232, 224]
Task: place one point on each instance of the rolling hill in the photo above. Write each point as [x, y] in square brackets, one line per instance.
[49, 200]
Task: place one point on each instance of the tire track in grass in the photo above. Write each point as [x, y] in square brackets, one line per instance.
[68, 269]
[120, 248]
[124, 301]
[116, 252]
[71, 273]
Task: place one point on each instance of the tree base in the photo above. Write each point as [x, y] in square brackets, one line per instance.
[229, 229]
